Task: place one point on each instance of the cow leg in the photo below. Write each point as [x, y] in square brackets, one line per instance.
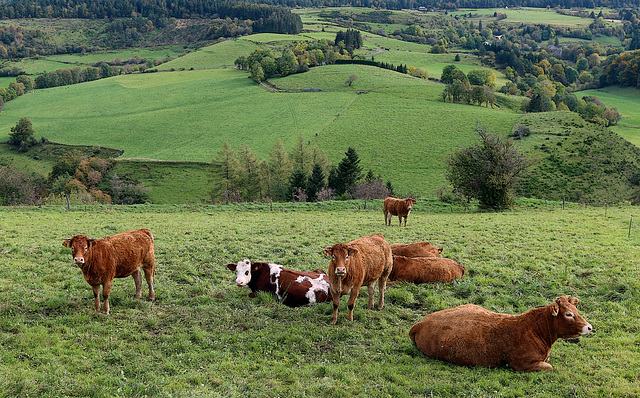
[96, 296]
[371, 290]
[148, 274]
[336, 304]
[352, 301]
[137, 278]
[106, 290]
[532, 366]
[382, 285]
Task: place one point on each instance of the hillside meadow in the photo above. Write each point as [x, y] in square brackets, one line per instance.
[203, 336]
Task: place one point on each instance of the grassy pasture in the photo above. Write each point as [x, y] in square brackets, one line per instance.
[627, 101]
[204, 337]
[187, 116]
[527, 15]
[92, 58]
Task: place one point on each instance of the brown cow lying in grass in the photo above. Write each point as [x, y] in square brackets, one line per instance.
[416, 249]
[359, 263]
[425, 269]
[397, 207]
[117, 256]
[473, 336]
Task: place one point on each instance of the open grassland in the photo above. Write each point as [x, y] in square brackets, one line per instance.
[188, 115]
[92, 58]
[204, 337]
[627, 101]
[527, 15]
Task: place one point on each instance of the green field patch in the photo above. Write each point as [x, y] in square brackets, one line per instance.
[92, 58]
[627, 101]
[526, 15]
[203, 335]
[218, 55]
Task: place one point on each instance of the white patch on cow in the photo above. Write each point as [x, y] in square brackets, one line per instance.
[317, 285]
[243, 269]
[274, 275]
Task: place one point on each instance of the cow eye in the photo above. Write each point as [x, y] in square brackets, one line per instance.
[333, 257]
[246, 272]
[86, 247]
[569, 314]
[347, 257]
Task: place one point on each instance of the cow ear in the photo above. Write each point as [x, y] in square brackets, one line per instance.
[91, 242]
[66, 243]
[352, 251]
[327, 251]
[232, 267]
[574, 301]
[555, 308]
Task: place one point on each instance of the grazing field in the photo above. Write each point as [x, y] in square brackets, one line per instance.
[204, 337]
[188, 115]
[527, 15]
[627, 101]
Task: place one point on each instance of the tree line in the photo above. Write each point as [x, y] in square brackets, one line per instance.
[266, 18]
[303, 174]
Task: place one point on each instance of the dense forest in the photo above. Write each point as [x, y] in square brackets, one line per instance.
[266, 18]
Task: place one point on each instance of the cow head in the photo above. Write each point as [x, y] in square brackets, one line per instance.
[339, 254]
[79, 245]
[568, 323]
[409, 202]
[243, 271]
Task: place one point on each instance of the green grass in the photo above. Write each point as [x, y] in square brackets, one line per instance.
[627, 101]
[204, 337]
[528, 16]
[192, 113]
[91, 58]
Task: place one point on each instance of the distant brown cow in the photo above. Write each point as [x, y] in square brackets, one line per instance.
[359, 263]
[473, 336]
[425, 269]
[397, 207]
[416, 249]
[117, 256]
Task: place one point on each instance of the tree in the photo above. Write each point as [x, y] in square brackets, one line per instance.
[487, 171]
[352, 78]
[315, 183]
[21, 136]
[225, 173]
[280, 169]
[298, 185]
[348, 172]
[249, 179]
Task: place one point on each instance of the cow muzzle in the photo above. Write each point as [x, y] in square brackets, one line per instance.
[586, 329]
[240, 283]
[78, 260]
[341, 271]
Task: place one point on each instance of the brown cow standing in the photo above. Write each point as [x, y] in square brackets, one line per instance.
[416, 249]
[425, 269]
[397, 207]
[117, 256]
[292, 288]
[473, 336]
[359, 263]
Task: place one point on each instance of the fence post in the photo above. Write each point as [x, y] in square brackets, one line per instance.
[630, 221]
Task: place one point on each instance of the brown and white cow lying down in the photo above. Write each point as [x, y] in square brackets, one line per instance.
[425, 269]
[473, 336]
[292, 288]
[117, 256]
[358, 263]
[416, 249]
[397, 207]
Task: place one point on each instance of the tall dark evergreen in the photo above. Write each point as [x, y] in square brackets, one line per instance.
[297, 182]
[316, 183]
[348, 172]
